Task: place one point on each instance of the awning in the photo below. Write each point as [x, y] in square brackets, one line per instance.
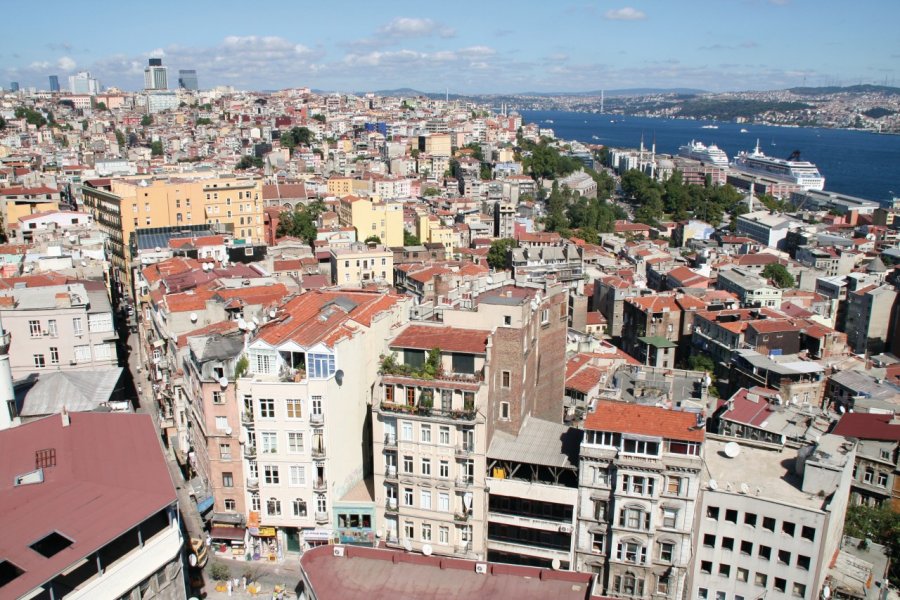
[262, 531]
[159, 343]
[234, 534]
[205, 504]
[317, 534]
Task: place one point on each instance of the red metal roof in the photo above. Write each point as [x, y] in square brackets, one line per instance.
[868, 426]
[624, 417]
[448, 339]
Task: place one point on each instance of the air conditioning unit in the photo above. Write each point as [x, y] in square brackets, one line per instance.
[481, 568]
[339, 551]
[565, 529]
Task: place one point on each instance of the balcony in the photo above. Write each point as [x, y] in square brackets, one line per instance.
[465, 482]
[249, 451]
[390, 472]
[463, 517]
[319, 484]
[318, 450]
[317, 419]
[247, 419]
[390, 440]
[465, 450]
[253, 483]
[428, 411]
[390, 505]
[287, 375]
[321, 517]
[463, 549]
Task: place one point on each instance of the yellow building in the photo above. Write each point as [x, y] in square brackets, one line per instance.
[361, 264]
[373, 217]
[234, 205]
[437, 144]
[431, 231]
[17, 202]
[344, 186]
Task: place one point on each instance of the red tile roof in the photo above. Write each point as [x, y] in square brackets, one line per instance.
[624, 417]
[448, 339]
[585, 380]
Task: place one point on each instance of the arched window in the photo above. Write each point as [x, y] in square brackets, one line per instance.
[629, 584]
[631, 551]
[299, 507]
[273, 507]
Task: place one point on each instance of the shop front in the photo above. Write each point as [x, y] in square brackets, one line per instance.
[263, 541]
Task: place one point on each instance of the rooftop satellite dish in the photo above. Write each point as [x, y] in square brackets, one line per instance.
[745, 489]
[272, 313]
[732, 449]
[339, 376]
[223, 382]
[713, 484]
[378, 533]
[242, 324]
[407, 545]
[555, 564]
[251, 326]
[427, 550]
[193, 317]
[228, 431]
[256, 320]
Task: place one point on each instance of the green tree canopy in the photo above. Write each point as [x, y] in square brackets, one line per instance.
[31, 116]
[779, 275]
[297, 136]
[249, 162]
[881, 525]
[301, 223]
[498, 252]
[146, 121]
[372, 239]
[156, 148]
[410, 239]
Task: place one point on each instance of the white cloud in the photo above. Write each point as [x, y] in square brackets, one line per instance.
[65, 63]
[157, 53]
[626, 13]
[415, 27]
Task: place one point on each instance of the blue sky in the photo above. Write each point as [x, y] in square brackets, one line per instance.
[468, 47]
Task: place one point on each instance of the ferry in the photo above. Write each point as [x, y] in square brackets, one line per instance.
[793, 170]
[709, 127]
[711, 154]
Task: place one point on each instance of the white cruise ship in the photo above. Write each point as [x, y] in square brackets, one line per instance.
[793, 170]
[711, 154]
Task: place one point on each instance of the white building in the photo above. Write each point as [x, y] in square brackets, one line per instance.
[83, 83]
[765, 227]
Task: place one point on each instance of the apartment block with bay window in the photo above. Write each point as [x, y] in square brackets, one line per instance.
[304, 407]
[639, 481]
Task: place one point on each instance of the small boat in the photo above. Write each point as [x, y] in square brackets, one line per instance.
[709, 127]
[594, 137]
[743, 130]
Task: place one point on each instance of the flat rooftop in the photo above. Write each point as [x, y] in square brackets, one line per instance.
[376, 574]
[769, 471]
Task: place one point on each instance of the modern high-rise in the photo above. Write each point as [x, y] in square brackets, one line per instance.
[83, 83]
[156, 75]
[187, 79]
[14, 86]
[54, 83]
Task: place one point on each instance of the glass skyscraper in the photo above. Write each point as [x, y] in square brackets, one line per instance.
[54, 83]
[187, 79]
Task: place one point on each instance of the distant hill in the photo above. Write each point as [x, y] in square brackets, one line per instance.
[400, 92]
[621, 92]
[865, 88]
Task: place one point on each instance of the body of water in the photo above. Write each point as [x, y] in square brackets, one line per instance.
[853, 162]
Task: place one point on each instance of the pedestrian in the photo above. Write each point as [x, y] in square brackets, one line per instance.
[228, 586]
[244, 582]
[208, 540]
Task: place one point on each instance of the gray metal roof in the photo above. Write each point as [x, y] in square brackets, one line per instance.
[539, 443]
[78, 391]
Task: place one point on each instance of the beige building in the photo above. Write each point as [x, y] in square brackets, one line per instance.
[431, 231]
[58, 328]
[373, 217]
[360, 264]
[231, 204]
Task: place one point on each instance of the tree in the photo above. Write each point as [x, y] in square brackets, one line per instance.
[120, 139]
[203, 121]
[2, 123]
[318, 117]
[701, 362]
[297, 136]
[410, 239]
[249, 162]
[31, 116]
[779, 275]
[156, 148]
[301, 222]
[146, 121]
[431, 191]
[498, 252]
[881, 525]
[372, 239]
[101, 106]
[414, 153]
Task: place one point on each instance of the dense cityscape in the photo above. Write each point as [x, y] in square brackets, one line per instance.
[331, 345]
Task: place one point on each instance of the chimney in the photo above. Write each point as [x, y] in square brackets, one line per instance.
[65, 416]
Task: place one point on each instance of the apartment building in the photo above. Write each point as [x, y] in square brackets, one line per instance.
[868, 318]
[610, 293]
[304, 406]
[750, 289]
[876, 474]
[765, 228]
[59, 328]
[372, 217]
[230, 204]
[769, 522]
[445, 391]
[639, 478]
[651, 329]
[360, 264]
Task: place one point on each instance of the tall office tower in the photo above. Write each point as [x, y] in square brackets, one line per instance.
[83, 83]
[187, 79]
[155, 75]
[54, 83]
[14, 86]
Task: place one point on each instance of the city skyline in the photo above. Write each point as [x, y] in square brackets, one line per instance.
[578, 46]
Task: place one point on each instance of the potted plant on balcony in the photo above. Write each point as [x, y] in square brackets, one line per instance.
[426, 402]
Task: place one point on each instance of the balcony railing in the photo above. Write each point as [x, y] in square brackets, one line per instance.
[252, 483]
[318, 450]
[247, 419]
[249, 451]
[319, 484]
[390, 439]
[391, 505]
[426, 411]
[462, 517]
[391, 472]
[465, 482]
[317, 419]
[292, 375]
[321, 517]
[465, 450]
[463, 548]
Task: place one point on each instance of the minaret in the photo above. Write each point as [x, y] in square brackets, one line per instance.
[8, 413]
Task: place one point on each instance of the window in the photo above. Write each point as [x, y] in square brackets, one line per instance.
[666, 551]
[746, 547]
[102, 351]
[750, 519]
[780, 584]
[316, 405]
[217, 397]
[406, 430]
[600, 507]
[721, 596]
[803, 562]
[788, 528]
[709, 540]
[507, 320]
[295, 442]
[270, 474]
[267, 408]
[52, 329]
[662, 584]
[712, 512]
[293, 408]
[321, 365]
[629, 585]
[444, 535]
[706, 567]
[634, 518]
[808, 533]
[598, 543]
[731, 516]
[273, 507]
[408, 464]
[769, 524]
[297, 475]
[425, 499]
[702, 593]
[632, 552]
[545, 316]
[34, 328]
[444, 470]
[426, 532]
[39, 362]
[761, 579]
[221, 423]
[504, 379]
[230, 504]
[504, 411]
[227, 480]
[724, 570]
[636, 484]
[82, 354]
[444, 435]
[299, 507]
[799, 590]
[784, 557]
[675, 485]
[882, 479]
[765, 552]
[225, 451]
[407, 497]
[743, 575]
[409, 530]
[426, 466]
[632, 446]
[669, 517]
[425, 434]
[444, 502]
[728, 544]
[269, 441]
[54, 355]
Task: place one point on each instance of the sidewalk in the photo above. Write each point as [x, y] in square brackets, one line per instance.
[285, 574]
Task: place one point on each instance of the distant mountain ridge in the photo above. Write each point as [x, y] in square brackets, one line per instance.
[865, 88]
[608, 93]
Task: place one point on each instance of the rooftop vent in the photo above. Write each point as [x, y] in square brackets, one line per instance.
[8, 572]
[51, 544]
[36, 476]
[45, 458]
